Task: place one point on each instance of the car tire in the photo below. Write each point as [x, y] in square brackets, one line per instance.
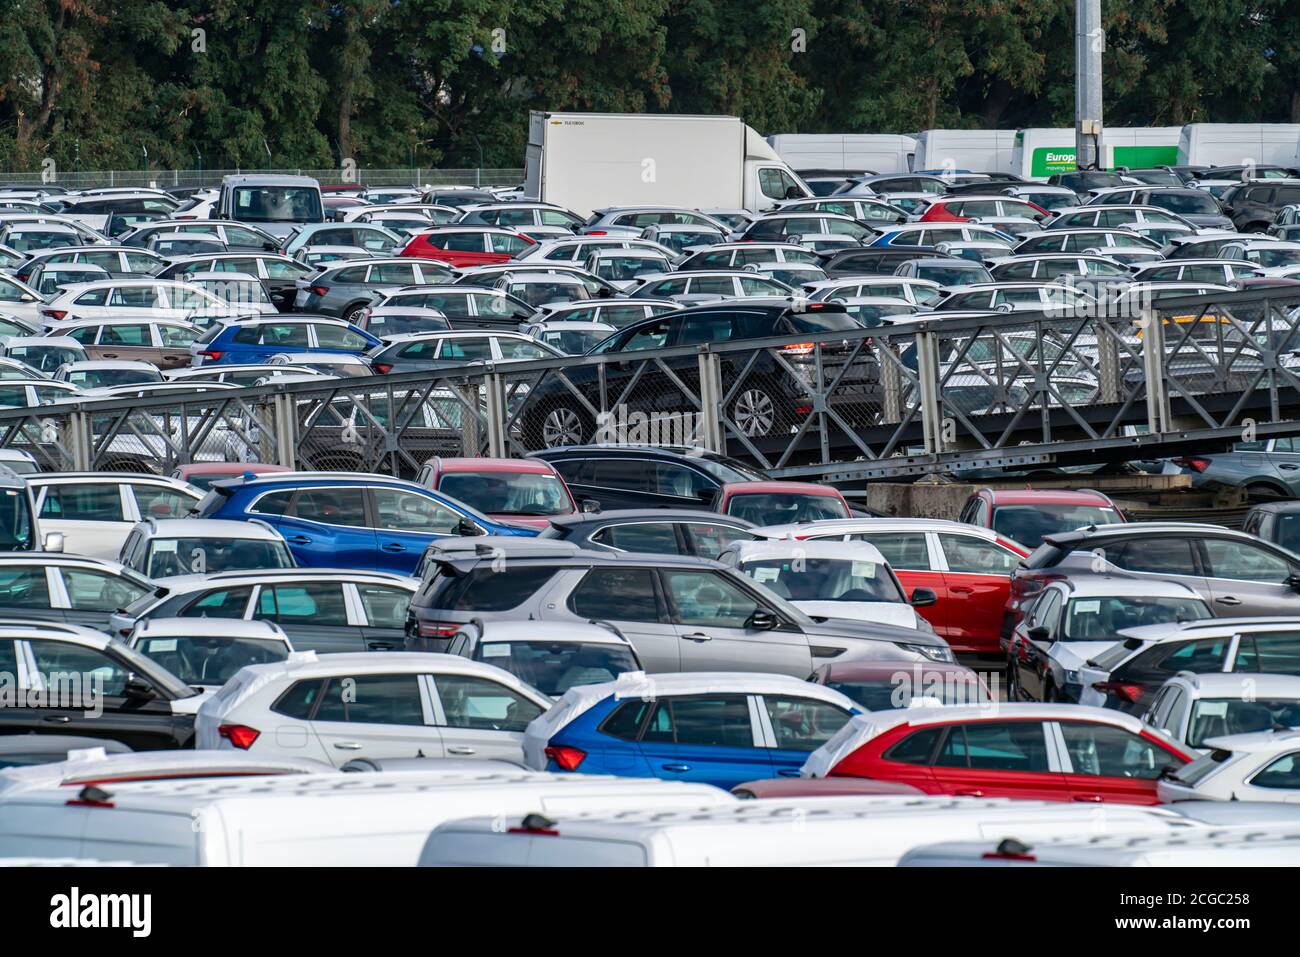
[562, 423]
[754, 413]
[352, 313]
[1265, 492]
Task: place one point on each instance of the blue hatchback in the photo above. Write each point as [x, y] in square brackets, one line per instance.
[720, 729]
[344, 520]
[257, 340]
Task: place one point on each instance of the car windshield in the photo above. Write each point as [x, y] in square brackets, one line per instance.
[574, 342]
[1101, 619]
[103, 378]
[543, 293]
[1186, 203]
[1051, 200]
[815, 322]
[506, 493]
[45, 358]
[198, 556]
[876, 315]
[15, 522]
[783, 508]
[553, 667]
[1030, 524]
[1216, 717]
[1288, 532]
[629, 267]
[898, 690]
[277, 204]
[799, 578]
[211, 660]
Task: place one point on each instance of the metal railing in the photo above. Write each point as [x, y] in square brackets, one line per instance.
[166, 179]
[918, 397]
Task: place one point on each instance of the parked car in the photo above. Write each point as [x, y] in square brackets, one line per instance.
[346, 289]
[719, 729]
[528, 492]
[465, 307]
[171, 547]
[549, 657]
[426, 351]
[1276, 522]
[1028, 515]
[201, 475]
[463, 246]
[335, 708]
[781, 503]
[107, 373]
[1039, 752]
[1073, 620]
[43, 353]
[358, 521]
[1194, 708]
[66, 589]
[95, 511]
[1265, 468]
[665, 531]
[680, 613]
[257, 340]
[205, 654]
[1264, 766]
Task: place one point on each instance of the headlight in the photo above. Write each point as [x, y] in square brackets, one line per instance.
[933, 652]
[1072, 677]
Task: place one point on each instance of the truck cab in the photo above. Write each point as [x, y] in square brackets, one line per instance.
[275, 204]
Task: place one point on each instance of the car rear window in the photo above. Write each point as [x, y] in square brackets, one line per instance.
[813, 323]
[489, 589]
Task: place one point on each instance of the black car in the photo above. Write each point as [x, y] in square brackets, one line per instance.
[1083, 180]
[1246, 172]
[1276, 522]
[873, 260]
[654, 531]
[92, 686]
[640, 477]
[1197, 206]
[766, 396]
[1253, 205]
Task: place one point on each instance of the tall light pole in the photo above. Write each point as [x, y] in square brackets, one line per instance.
[1089, 44]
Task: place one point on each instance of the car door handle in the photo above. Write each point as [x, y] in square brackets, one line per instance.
[679, 768]
[347, 745]
[392, 547]
[460, 749]
[298, 540]
[969, 792]
[788, 772]
[1089, 798]
[1228, 600]
[961, 590]
[1289, 466]
[380, 645]
[113, 355]
[698, 636]
[56, 718]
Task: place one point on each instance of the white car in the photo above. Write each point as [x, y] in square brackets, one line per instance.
[95, 511]
[207, 652]
[831, 580]
[1240, 767]
[549, 656]
[185, 546]
[1194, 708]
[105, 373]
[334, 708]
[155, 298]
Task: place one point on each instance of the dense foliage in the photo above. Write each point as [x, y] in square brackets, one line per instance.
[99, 84]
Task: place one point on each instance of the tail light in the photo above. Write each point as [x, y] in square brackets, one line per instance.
[535, 824]
[1010, 850]
[214, 356]
[799, 348]
[240, 735]
[56, 315]
[1127, 692]
[437, 629]
[318, 290]
[382, 368]
[1196, 465]
[566, 757]
[803, 409]
[598, 232]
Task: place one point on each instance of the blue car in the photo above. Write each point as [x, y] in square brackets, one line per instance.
[721, 729]
[256, 340]
[343, 520]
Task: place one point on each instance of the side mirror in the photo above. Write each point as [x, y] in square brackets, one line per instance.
[793, 192]
[1294, 581]
[138, 688]
[590, 506]
[603, 293]
[53, 542]
[1040, 633]
[922, 597]
[468, 528]
[761, 620]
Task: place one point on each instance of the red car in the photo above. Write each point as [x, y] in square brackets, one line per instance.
[780, 503]
[1028, 515]
[968, 568]
[519, 491]
[203, 474]
[1033, 751]
[463, 246]
[963, 209]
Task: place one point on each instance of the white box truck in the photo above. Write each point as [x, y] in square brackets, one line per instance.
[1043, 152]
[846, 152]
[590, 161]
[1236, 144]
[980, 151]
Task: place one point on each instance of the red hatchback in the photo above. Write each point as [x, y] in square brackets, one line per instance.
[1032, 751]
[780, 503]
[1028, 515]
[525, 492]
[463, 246]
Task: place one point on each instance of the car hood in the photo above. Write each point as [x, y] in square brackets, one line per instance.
[878, 612]
[538, 522]
[192, 704]
[852, 638]
[1073, 655]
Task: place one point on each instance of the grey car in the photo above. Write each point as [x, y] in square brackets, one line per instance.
[651, 530]
[680, 613]
[1276, 522]
[319, 609]
[465, 307]
[346, 289]
[1265, 469]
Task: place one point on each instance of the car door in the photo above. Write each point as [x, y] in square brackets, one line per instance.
[977, 579]
[707, 739]
[794, 727]
[629, 598]
[327, 527]
[1284, 457]
[1000, 759]
[914, 558]
[28, 591]
[383, 610]
[376, 716]
[1032, 656]
[1162, 558]
[480, 718]
[90, 596]
[274, 337]
[1248, 579]
[314, 614]
[1268, 652]
[712, 614]
[405, 523]
[1109, 764]
[93, 517]
[85, 693]
[161, 501]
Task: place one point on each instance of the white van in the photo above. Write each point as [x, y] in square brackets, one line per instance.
[1257, 847]
[304, 820]
[1140, 147]
[980, 151]
[1043, 152]
[1237, 144]
[800, 832]
[850, 152]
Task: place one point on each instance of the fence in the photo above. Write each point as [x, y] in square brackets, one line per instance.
[166, 179]
[918, 397]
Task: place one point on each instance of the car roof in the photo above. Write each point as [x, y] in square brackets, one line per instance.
[1256, 741]
[846, 526]
[1230, 684]
[1209, 628]
[569, 631]
[460, 464]
[234, 628]
[208, 528]
[1108, 586]
[732, 489]
[1046, 496]
[780, 548]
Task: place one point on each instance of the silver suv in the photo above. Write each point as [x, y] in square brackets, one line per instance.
[680, 613]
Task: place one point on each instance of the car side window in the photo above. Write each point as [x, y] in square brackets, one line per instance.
[479, 703]
[222, 603]
[158, 501]
[968, 554]
[313, 603]
[659, 538]
[1242, 561]
[403, 511]
[704, 720]
[709, 540]
[384, 607]
[1047, 611]
[1105, 751]
[708, 600]
[1284, 774]
[1160, 556]
[58, 658]
[90, 590]
[1271, 652]
[372, 699]
[24, 588]
[616, 594]
[332, 506]
[83, 503]
[1203, 656]
[995, 746]
[803, 724]
[653, 336]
